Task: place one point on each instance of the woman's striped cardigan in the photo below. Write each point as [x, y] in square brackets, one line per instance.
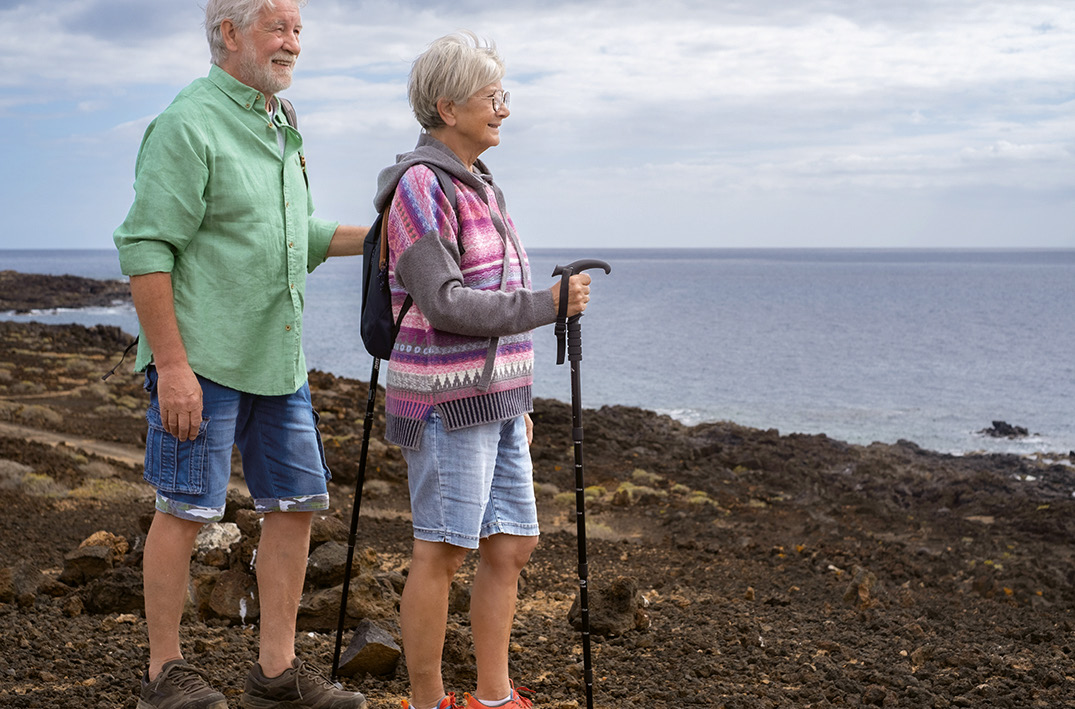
[464, 347]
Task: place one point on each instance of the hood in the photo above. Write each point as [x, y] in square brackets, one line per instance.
[429, 151]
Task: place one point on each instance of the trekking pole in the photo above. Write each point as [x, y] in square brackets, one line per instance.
[371, 398]
[569, 334]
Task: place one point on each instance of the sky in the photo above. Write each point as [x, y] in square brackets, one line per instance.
[634, 123]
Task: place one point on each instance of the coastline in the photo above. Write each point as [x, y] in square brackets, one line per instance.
[860, 419]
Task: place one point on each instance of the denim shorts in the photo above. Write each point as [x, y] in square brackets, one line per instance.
[283, 459]
[472, 483]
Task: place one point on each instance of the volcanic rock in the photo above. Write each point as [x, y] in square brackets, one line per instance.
[614, 609]
[23, 292]
[235, 597]
[372, 650]
[1003, 429]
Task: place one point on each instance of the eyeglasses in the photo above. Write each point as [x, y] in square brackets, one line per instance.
[500, 99]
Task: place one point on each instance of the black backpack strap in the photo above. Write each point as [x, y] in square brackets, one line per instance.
[289, 112]
[293, 121]
[122, 357]
[446, 186]
[402, 312]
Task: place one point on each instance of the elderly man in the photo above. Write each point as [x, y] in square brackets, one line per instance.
[217, 245]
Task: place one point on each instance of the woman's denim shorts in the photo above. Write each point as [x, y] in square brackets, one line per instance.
[283, 459]
[472, 483]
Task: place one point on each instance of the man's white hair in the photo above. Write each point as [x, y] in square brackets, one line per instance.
[242, 13]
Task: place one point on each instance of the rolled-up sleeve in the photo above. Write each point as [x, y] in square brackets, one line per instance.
[320, 236]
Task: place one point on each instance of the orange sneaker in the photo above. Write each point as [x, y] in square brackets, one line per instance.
[446, 703]
[517, 700]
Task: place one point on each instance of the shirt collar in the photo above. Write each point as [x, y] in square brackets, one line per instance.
[239, 92]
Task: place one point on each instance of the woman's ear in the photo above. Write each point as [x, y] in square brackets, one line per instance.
[446, 109]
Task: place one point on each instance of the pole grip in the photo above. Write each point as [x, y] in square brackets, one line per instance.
[565, 273]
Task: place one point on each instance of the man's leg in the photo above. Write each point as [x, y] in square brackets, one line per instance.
[423, 613]
[166, 576]
[492, 604]
[281, 571]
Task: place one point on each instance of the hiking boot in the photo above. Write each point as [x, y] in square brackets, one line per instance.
[179, 686]
[299, 686]
[517, 700]
[446, 703]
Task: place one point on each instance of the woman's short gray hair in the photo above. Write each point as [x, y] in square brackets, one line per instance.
[242, 13]
[453, 67]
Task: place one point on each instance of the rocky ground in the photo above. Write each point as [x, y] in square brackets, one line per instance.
[754, 569]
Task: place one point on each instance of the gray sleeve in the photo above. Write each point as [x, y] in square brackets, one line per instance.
[429, 270]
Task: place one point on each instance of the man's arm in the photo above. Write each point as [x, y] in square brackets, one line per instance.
[178, 390]
[347, 240]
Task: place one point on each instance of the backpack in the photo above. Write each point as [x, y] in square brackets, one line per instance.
[379, 330]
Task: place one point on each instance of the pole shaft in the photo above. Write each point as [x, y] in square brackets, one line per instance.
[356, 507]
[574, 355]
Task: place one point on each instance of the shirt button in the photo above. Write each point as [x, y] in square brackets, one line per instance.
[290, 244]
[292, 286]
[287, 327]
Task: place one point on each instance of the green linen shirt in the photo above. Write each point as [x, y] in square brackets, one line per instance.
[219, 207]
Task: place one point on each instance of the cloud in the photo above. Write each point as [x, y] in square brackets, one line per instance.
[625, 106]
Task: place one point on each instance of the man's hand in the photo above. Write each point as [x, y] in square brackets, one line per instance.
[529, 429]
[180, 398]
[178, 391]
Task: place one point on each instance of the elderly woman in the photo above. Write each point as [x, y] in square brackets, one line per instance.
[459, 379]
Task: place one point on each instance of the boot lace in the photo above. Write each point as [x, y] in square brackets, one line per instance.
[188, 678]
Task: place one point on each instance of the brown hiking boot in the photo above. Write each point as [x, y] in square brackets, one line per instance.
[179, 686]
[300, 686]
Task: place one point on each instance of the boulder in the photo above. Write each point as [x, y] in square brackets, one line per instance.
[202, 581]
[327, 565]
[368, 597]
[614, 609]
[235, 597]
[214, 543]
[1003, 429]
[326, 528]
[119, 591]
[113, 542]
[86, 564]
[27, 579]
[372, 650]
[236, 501]
[861, 591]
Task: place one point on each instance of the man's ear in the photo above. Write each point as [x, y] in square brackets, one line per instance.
[446, 109]
[230, 34]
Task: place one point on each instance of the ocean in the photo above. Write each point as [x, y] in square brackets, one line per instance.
[863, 345]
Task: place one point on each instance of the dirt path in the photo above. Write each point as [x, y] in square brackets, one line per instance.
[128, 455]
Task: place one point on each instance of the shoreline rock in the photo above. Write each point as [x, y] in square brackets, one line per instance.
[1003, 429]
[22, 293]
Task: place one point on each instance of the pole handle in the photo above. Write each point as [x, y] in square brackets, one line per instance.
[565, 273]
